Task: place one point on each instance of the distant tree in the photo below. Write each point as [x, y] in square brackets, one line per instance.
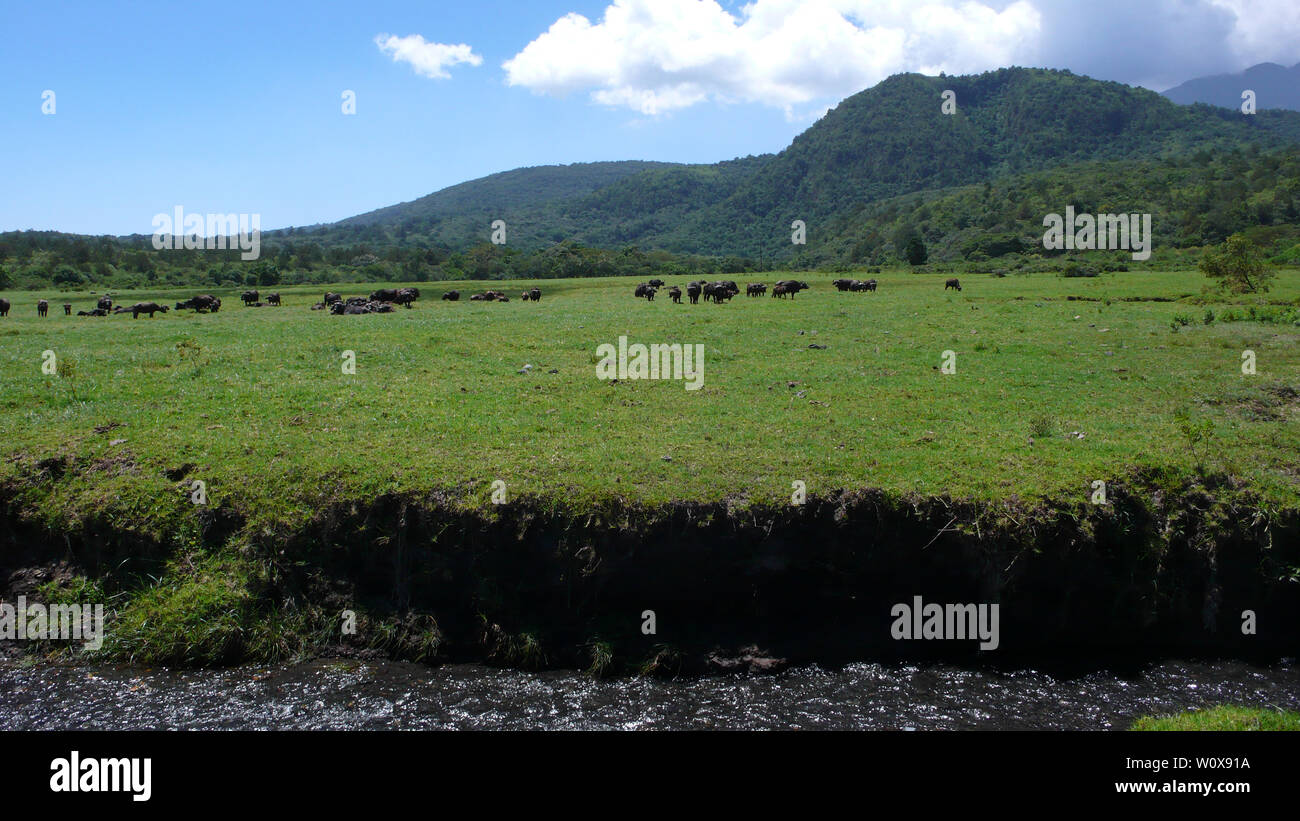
[1238, 266]
[266, 273]
[915, 252]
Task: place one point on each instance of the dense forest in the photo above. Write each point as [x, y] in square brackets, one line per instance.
[884, 178]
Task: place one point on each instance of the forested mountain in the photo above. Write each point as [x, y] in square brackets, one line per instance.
[889, 140]
[1275, 86]
[884, 167]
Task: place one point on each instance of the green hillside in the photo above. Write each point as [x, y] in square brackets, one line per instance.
[884, 169]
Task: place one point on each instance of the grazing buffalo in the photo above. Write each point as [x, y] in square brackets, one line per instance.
[331, 298]
[273, 299]
[675, 294]
[105, 303]
[693, 291]
[43, 308]
[202, 303]
[452, 296]
[149, 308]
[67, 309]
[952, 283]
[657, 283]
[720, 292]
[4, 307]
[250, 297]
[755, 289]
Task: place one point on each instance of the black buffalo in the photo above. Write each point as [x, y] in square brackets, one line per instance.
[675, 294]
[43, 308]
[149, 308]
[755, 289]
[952, 283]
[202, 303]
[250, 297]
[4, 307]
[693, 291]
[105, 302]
[273, 299]
[451, 296]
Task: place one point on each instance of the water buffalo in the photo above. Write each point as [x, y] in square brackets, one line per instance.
[693, 291]
[384, 295]
[952, 283]
[641, 290]
[869, 285]
[480, 298]
[202, 303]
[96, 312]
[451, 296]
[844, 284]
[67, 309]
[105, 303]
[405, 296]
[149, 308]
[755, 289]
[720, 292]
[780, 291]
[675, 294]
[535, 294]
[331, 298]
[43, 308]
[4, 307]
[656, 283]
[793, 287]
[250, 297]
[273, 299]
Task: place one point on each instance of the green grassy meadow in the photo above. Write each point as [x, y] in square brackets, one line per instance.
[254, 401]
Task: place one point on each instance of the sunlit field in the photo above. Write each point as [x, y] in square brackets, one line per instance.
[837, 390]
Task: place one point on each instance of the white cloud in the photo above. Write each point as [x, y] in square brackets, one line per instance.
[654, 56]
[1264, 30]
[428, 59]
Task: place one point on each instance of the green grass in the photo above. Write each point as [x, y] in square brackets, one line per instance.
[1226, 717]
[254, 401]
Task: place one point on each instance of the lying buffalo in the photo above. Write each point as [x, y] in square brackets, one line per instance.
[149, 308]
[952, 283]
[4, 307]
[352, 308]
[452, 296]
[204, 303]
[250, 297]
[96, 312]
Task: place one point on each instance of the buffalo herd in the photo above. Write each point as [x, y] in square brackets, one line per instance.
[385, 300]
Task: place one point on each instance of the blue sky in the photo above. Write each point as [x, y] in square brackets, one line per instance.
[239, 110]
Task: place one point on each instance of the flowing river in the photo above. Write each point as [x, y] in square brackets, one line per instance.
[372, 695]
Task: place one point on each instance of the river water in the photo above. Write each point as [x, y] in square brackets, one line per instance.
[349, 694]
